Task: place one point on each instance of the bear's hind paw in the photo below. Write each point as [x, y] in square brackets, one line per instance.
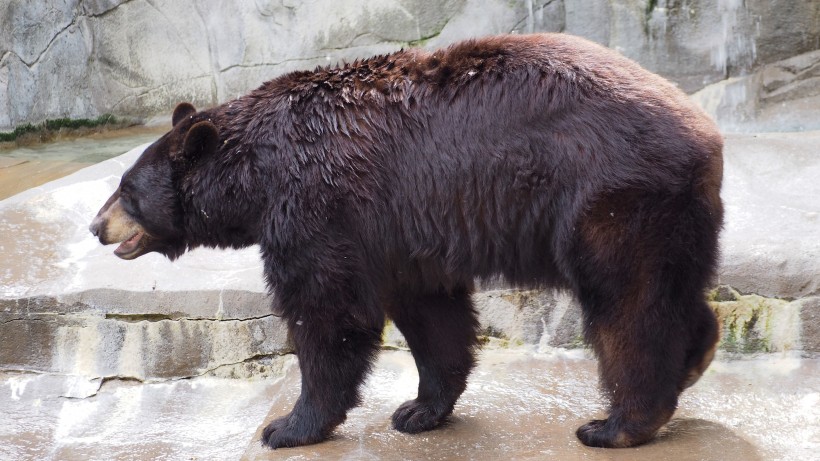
[603, 434]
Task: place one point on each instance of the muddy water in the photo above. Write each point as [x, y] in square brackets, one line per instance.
[22, 168]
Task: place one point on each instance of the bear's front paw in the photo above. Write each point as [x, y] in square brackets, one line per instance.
[289, 431]
[602, 433]
[414, 417]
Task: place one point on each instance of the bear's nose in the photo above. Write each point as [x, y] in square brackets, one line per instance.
[95, 227]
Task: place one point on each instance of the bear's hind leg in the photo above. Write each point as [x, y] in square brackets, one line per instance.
[640, 371]
[441, 330]
[643, 262]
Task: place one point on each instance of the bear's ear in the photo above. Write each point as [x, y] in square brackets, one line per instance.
[200, 141]
[183, 109]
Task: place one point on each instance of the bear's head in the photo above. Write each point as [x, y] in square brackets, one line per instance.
[146, 212]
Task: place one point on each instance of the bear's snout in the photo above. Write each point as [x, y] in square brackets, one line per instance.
[96, 226]
[113, 224]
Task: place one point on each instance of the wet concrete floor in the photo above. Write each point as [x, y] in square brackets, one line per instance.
[519, 405]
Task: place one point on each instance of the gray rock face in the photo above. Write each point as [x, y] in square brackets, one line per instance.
[139, 58]
[771, 240]
[781, 96]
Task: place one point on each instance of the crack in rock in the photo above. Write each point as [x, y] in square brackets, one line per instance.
[134, 318]
[87, 13]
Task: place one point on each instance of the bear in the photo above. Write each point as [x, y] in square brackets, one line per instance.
[387, 188]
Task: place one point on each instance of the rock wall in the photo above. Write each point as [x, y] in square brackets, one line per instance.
[781, 96]
[82, 58]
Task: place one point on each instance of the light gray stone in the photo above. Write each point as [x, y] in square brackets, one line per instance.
[544, 317]
[97, 346]
[517, 406]
[781, 96]
[771, 240]
[140, 58]
[810, 324]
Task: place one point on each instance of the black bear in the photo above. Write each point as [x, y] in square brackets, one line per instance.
[385, 187]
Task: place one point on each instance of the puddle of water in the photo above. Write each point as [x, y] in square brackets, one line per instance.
[22, 168]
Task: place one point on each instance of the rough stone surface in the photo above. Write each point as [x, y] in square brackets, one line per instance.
[781, 96]
[102, 347]
[810, 323]
[141, 57]
[59, 417]
[771, 240]
[544, 317]
[752, 323]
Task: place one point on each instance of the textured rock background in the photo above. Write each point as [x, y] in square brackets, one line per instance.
[82, 58]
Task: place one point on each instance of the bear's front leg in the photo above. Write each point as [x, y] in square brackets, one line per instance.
[335, 350]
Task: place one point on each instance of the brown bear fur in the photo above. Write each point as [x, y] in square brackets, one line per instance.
[387, 186]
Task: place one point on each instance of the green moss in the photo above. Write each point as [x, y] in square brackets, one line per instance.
[422, 41]
[650, 7]
[59, 124]
[56, 124]
[494, 333]
[747, 322]
[19, 131]
[576, 343]
[493, 342]
[131, 318]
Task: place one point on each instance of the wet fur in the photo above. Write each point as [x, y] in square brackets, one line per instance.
[385, 187]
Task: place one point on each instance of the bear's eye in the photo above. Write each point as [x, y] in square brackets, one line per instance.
[131, 206]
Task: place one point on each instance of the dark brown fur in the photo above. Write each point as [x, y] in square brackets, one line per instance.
[387, 186]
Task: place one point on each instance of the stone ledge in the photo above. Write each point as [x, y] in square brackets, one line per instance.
[94, 346]
[129, 342]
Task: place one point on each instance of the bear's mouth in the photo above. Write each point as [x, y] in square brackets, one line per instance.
[132, 247]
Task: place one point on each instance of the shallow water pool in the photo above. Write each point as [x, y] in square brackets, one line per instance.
[22, 168]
